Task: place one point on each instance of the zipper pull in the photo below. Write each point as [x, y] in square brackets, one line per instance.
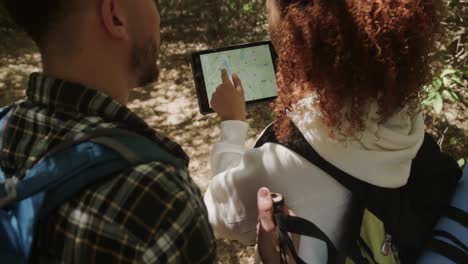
[387, 245]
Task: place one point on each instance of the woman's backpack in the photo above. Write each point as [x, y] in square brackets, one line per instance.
[392, 225]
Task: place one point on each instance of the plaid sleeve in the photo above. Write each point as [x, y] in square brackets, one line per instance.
[183, 234]
[152, 213]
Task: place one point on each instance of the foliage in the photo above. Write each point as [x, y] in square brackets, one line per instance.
[452, 58]
[442, 88]
[218, 22]
[461, 162]
[455, 51]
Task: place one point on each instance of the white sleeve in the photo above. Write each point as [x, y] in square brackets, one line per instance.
[229, 151]
[231, 198]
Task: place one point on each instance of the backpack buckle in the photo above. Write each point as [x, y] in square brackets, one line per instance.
[10, 191]
[278, 202]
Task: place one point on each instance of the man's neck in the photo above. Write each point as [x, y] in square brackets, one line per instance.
[93, 74]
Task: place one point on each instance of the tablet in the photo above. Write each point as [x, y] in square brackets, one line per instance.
[255, 63]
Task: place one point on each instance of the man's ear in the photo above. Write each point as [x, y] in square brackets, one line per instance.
[112, 17]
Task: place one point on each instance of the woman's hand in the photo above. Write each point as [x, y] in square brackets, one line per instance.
[267, 237]
[228, 100]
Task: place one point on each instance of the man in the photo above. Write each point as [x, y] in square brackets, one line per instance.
[93, 53]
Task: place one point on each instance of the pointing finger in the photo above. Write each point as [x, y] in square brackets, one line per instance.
[225, 77]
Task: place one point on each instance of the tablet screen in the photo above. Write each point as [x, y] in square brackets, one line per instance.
[254, 65]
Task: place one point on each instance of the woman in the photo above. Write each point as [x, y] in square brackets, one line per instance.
[350, 77]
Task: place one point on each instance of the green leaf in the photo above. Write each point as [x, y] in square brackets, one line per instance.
[438, 104]
[427, 88]
[457, 80]
[431, 92]
[454, 141]
[431, 95]
[461, 162]
[429, 99]
[247, 7]
[427, 102]
[436, 84]
[448, 72]
[447, 82]
[451, 96]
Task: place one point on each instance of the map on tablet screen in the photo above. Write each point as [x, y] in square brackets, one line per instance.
[254, 65]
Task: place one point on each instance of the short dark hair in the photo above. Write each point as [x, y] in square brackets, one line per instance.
[36, 17]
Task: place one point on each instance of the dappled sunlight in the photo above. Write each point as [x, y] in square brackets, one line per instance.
[14, 73]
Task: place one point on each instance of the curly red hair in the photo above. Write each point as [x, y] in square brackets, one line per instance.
[352, 53]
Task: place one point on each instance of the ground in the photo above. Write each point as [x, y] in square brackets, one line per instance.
[171, 107]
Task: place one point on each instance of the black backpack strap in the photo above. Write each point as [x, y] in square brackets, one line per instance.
[382, 202]
[304, 227]
[410, 212]
[457, 215]
[291, 224]
[304, 149]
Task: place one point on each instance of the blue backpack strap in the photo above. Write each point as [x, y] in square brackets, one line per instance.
[7, 250]
[65, 172]
[105, 149]
[4, 111]
[449, 243]
[124, 150]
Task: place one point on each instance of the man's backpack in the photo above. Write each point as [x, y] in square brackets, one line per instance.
[64, 172]
[391, 225]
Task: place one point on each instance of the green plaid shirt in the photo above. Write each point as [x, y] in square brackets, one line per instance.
[151, 213]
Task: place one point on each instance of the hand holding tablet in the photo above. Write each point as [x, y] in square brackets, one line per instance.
[253, 63]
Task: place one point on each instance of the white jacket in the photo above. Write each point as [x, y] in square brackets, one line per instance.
[381, 156]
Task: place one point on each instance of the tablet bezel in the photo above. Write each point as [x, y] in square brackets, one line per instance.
[200, 85]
